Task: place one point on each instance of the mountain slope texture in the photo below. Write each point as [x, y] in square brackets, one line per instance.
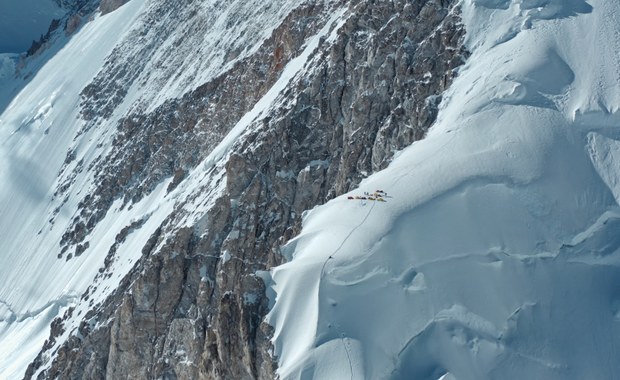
[311, 189]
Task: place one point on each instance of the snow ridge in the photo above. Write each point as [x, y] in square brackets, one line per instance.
[496, 256]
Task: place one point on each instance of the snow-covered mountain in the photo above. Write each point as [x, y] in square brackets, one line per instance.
[23, 22]
[496, 255]
[176, 183]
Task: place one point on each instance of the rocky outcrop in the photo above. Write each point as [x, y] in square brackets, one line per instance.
[76, 10]
[108, 6]
[177, 135]
[193, 305]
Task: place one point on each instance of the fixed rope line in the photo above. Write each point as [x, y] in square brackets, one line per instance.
[346, 238]
[342, 335]
[346, 350]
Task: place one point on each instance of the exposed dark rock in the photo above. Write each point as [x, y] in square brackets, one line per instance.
[108, 6]
[193, 305]
[72, 24]
[150, 148]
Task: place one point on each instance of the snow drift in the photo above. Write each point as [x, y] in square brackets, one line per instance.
[496, 255]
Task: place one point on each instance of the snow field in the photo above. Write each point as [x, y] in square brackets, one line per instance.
[497, 255]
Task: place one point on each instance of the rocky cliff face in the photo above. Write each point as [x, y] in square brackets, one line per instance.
[193, 305]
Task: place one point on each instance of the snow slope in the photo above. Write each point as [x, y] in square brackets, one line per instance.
[496, 255]
[37, 129]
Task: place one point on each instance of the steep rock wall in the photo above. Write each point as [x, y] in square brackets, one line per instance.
[193, 306]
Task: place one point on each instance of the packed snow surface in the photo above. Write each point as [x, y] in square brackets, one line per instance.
[496, 255]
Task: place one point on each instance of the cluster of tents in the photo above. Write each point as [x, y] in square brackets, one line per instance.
[378, 196]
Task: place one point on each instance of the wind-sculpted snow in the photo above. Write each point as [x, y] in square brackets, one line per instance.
[496, 255]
